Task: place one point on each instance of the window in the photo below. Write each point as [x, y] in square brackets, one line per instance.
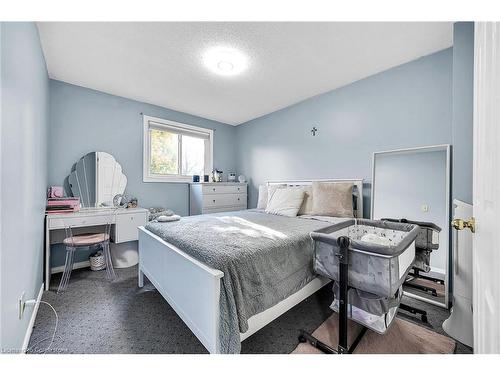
[175, 152]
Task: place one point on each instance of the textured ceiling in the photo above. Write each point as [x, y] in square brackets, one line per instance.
[161, 63]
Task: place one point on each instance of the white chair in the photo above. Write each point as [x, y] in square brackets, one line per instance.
[91, 241]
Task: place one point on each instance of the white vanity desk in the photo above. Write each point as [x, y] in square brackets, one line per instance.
[124, 226]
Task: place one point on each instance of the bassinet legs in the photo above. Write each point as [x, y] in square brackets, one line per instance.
[342, 347]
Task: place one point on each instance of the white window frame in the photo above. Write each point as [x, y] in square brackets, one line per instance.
[158, 122]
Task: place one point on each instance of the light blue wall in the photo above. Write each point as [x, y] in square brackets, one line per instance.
[84, 120]
[24, 118]
[463, 108]
[409, 105]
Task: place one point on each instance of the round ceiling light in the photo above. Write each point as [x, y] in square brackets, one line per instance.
[225, 61]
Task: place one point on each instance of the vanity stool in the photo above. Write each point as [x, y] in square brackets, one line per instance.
[88, 241]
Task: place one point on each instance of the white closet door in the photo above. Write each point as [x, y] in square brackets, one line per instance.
[486, 175]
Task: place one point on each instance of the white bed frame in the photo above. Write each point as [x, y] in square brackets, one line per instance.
[193, 288]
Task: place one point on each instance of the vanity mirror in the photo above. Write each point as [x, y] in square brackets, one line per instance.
[414, 184]
[97, 178]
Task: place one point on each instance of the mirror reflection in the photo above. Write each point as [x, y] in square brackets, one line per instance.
[413, 184]
[97, 178]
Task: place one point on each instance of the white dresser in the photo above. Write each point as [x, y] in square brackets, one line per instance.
[210, 197]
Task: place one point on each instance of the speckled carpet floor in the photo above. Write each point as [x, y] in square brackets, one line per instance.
[96, 316]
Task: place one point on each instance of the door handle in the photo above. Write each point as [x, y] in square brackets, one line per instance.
[460, 224]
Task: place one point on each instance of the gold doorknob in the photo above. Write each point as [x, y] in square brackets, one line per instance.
[460, 224]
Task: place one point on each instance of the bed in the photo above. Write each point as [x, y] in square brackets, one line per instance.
[227, 275]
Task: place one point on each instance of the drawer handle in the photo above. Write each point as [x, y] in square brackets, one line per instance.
[131, 218]
[214, 200]
[213, 189]
[238, 198]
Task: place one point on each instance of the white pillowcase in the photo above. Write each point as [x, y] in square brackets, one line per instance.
[271, 189]
[262, 201]
[285, 202]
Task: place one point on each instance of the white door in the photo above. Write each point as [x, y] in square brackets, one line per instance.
[486, 245]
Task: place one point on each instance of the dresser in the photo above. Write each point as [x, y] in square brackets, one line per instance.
[211, 197]
[124, 223]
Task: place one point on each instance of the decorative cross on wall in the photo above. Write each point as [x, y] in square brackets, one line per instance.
[314, 131]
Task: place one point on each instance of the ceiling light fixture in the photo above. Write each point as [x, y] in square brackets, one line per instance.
[225, 61]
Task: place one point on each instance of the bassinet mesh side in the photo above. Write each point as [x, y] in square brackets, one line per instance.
[372, 268]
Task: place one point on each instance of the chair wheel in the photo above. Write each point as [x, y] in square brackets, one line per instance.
[424, 318]
[302, 339]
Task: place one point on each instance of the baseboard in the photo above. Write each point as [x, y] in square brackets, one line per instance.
[76, 266]
[31, 324]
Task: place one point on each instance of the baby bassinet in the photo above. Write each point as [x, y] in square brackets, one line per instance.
[367, 276]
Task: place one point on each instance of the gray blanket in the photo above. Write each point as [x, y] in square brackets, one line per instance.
[265, 259]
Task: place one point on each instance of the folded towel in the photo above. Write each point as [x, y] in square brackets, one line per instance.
[373, 238]
[165, 219]
[154, 213]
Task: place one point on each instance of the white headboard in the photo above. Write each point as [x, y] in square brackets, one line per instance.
[358, 189]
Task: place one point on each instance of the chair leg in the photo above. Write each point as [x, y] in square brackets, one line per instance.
[110, 271]
[68, 267]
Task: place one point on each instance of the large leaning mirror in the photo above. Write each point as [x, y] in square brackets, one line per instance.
[414, 184]
[97, 178]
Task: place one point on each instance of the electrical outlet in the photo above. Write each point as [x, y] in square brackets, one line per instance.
[22, 305]
[425, 208]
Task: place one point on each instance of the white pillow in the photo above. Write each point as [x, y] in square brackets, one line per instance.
[262, 201]
[271, 189]
[286, 202]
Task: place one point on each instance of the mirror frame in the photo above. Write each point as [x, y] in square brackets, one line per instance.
[446, 231]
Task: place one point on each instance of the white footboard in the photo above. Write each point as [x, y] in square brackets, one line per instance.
[189, 286]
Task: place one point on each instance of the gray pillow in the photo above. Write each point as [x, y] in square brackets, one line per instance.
[332, 199]
[307, 204]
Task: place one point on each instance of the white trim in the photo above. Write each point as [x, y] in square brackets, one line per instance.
[429, 148]
[76, 266]
[31, 324]
[146, 176]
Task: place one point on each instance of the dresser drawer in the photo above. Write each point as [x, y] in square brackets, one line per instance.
[223, 209]
[126, 226]
[82, 221]
[221, 200]
[224, 189]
